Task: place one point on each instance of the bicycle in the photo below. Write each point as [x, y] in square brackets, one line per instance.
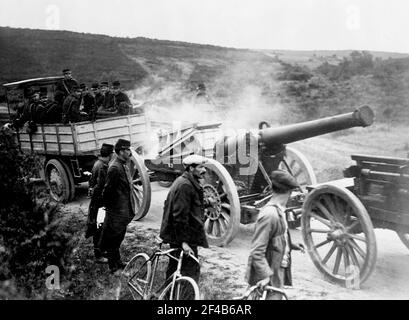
[141, 271]
[257, 293]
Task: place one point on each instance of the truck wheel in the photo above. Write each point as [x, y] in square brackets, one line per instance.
[141, 195]
[58, 179]
[222, 211]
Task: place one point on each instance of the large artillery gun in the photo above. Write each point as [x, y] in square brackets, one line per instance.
[237, 180]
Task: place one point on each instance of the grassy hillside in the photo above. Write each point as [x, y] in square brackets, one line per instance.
[275, 85]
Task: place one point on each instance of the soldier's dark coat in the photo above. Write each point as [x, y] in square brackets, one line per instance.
[54, 112]
[117, 199]
[103, 100]
[89, 105]
[97, 183]
[183, 215]
[121, 103]
[63, 89]
[71, 109]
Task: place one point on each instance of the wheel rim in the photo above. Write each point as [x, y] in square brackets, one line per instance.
[339, 235]
[141, 193]
[185, 288]
[299, 167]
[223, 212]
[135, 278]
[57, 180]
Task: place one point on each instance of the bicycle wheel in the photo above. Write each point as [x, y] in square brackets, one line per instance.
[185, 288]
[135, 278]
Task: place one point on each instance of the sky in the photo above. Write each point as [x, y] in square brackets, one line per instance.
[378, 25]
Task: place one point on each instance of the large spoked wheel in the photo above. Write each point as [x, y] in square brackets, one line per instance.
[135, 278]
[299, 167]
[336, 227]
[59, 180]
[223, 206]
[141, 195]
[404, 237]
[185, 288]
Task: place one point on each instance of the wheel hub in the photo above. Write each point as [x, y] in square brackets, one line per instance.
[337, 234]
[212, 201]
[56, 184]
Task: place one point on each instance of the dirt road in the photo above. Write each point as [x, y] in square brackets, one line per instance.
[221, 266]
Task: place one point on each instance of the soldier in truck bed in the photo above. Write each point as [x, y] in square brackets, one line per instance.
[71, 107]
[65, 87]
[102, 97]
[119, 100]
[88, 101]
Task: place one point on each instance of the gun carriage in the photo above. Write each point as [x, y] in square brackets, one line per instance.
[339, 217]
[237, 181]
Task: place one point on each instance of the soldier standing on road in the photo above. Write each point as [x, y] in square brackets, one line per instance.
[71, 106]
[65, 87]
[117, 198]
[96, 186]
[269, 262]
[183, 217]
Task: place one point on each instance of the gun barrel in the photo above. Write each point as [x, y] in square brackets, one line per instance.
[361, 117]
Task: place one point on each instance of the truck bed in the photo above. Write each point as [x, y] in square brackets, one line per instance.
[85, 138]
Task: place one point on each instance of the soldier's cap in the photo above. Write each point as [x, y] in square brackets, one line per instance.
[104, 84]
[194, 159]
[66, 70]
[116, 84]
[122, 144]
[106, 149]
[283, 180]
[83, 85]
[95, 85]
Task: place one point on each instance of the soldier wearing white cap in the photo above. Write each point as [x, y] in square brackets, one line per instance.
[183, 217]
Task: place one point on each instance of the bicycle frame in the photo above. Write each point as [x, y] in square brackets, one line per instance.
[153, 265]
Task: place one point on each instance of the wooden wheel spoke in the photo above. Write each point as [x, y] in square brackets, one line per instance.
[318, 231]
[353, 225]
[355, 236]
[216, 227]
[329, 254]
[225, 216]
[337, 261]
[329, 203]
[357, 248]
[223, 195]
[225, 206]
[320, 219]
[351, 252]
[297, 172]
[325, 211]
[322, 243]
[346, 259]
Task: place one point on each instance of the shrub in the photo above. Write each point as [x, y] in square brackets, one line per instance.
[30, 238]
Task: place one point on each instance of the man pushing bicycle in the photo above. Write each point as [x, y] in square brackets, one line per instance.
[183, 217]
